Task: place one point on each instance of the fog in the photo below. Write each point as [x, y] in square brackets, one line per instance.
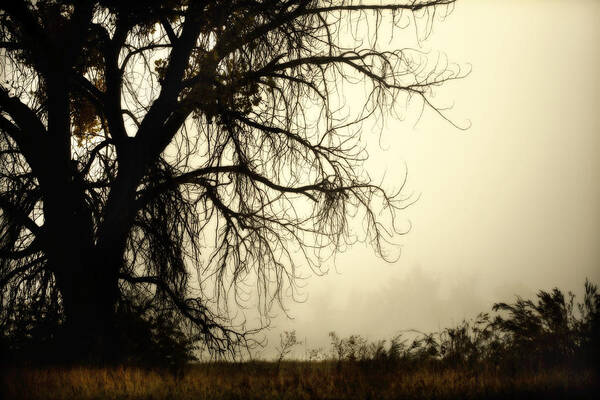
[506, 208]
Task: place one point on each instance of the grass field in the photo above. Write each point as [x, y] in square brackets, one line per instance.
[547, 349]
[294, 380]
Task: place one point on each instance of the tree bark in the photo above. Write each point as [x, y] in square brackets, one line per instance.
[86, 276]
[89, 299]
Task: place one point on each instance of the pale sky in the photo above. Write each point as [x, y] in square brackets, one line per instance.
[508, 207]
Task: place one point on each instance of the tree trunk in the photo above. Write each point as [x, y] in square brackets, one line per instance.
[86, 261]
[89, 297]
[86, 277]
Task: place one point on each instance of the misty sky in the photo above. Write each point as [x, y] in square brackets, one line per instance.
[506, 208]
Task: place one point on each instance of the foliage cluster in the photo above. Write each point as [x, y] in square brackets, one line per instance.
[552, 331]
[145, 338]
[524, 335]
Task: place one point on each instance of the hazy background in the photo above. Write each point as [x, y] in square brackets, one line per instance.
[508, 207]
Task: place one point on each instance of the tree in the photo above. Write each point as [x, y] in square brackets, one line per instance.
[287, 342]
[144, 145]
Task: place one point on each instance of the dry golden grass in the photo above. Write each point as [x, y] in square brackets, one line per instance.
[295, 380]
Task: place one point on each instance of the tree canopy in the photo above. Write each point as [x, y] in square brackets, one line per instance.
[171, 157]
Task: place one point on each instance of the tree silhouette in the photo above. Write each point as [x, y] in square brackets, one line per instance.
[145, 146]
